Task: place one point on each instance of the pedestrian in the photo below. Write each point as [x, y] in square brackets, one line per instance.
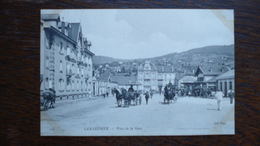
[131, 89]
[231, 95]
[219, 96]
[151, 94]
[189, 94]
[146, 97]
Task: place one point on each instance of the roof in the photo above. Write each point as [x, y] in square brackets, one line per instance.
[124, 80]
[212, 80]
[162, 69]
[74, 31]
[227, 75]
[188, 79]
[147, 65]
[179, 76]
[104, 77]
[53, 29]
[206, 71]
[48, 17]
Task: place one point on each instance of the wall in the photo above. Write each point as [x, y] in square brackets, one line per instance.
[225, 90]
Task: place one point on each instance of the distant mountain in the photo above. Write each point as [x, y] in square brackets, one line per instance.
[217, 50]
[102, 59]
[204, 51]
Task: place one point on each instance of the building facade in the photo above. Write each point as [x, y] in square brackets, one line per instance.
[66, 59]
[226, 82]
[151, 77]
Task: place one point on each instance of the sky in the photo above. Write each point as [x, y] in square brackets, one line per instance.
[144, 33]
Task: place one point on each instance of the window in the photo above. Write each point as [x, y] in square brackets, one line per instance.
[230, 86]
[72, 68]
[68, 86]
[82, 71]
[147, 80]
[72, 86]
[79, 56]
[60, 84]
[50, 83]
[47, 62]
[220, 86]
[67, 67]
[47, 83]
[63, 84]
[61, 66]
[61, 47]
[81, 85]
[68, 50]
[200, 79]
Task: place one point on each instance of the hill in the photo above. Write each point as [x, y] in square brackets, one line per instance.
[204, 51]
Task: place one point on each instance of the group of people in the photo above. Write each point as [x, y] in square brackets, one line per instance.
[219, 94]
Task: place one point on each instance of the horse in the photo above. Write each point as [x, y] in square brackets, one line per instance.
[49, 99]
[118, 96]
[130, 96]
[169, 96]
[127, 96]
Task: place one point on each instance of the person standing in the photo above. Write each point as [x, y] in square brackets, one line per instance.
[219, 96]
[131, 89]
[231, 95]
[151, 94]
[146, 97]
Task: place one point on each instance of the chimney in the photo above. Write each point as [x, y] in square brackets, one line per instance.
[63, 26]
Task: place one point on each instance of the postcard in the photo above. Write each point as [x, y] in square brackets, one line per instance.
[137, 72]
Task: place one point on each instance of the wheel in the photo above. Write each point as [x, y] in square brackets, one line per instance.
[47, 105]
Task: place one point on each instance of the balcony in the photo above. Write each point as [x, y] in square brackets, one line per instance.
[80, 63]
[68, 58]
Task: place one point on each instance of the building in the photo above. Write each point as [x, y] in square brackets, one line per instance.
[103, 83]
[226, 82]
[186, 79]
[153, 77]
[66, 59]
[206, 79]
[125, 81]
[209, 80]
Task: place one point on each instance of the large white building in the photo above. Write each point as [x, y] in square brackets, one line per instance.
[66, 59]
[153, 77]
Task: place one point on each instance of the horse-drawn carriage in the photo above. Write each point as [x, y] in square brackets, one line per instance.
[127, 97]
[48, 99]
[169, 94]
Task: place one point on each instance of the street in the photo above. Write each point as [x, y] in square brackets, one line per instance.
[98, 116]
